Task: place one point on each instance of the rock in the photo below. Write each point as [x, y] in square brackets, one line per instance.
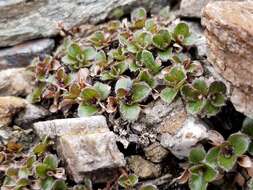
[229, 33]
[22, 55]
[143, 168]
[187, 135]
[16, 82]
[193, 8]
[23, 20]
[9, 106]
[155, 153]
[59, 127]
[30, 114]
[93, 154]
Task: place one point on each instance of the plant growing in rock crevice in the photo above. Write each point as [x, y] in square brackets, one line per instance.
[140, 51]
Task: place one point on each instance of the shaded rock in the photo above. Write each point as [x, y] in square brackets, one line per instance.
[92, 154]
[59, 127]
[9, 107]
[143, 168]
[22, 55]
[193, 8]
[16, 82]
[187, 135]
[30, 114]
[229, 33]
[155, 153]
[23, 20]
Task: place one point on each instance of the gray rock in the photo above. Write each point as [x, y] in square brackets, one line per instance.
[180, 142]
[155, 153]
[16, 82]
[30, 114]
[230, 43]
[94, 155]
[59, 127]
[193, 8]
[9, 107]
[23, 20]
[22, 55]
[143, 168]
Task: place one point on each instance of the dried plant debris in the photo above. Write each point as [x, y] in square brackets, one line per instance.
[125, 65]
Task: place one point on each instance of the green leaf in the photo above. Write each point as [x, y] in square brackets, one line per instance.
[176, 76]
[239, 142]
[189, 93]
[218, 100]
[89, 53]
[35, 96]
[41, 170]
[149, 62]
[148, 187]
[217, 87]
[123, 83]
[197, 182]
[140, 91]
[130, 112]
[212, 155]
[47, 183]
[145, 76]
[210, 110]
[209, 173]
[22, 182]
[165, 55]
[138, 17]
[143, 38]
[168, 94]
[59, 185]
[247, 127]
[117, 54]
[151, 25]
[128, 181]
[103, 89]
[89, 95]
[195, 107]
[74, 50]
[226, 162]
[162, 39]
[51, 161]
[87, 110]
[182, 29]
[197, 155]
[74, 91]
[97, 38]
[200, 85]
[40, 148]
[121, 67]
[250, 149]
[23, 172]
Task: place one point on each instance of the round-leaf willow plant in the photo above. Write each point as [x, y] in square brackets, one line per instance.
[119, 67]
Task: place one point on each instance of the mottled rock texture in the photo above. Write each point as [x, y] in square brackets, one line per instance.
[16, 82]
[22, 20]
[193, 8]
[23, 54]
[229, 32]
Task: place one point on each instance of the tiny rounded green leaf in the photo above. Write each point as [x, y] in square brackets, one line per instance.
[182, 29]
[140, 91]
[130, 112]
[217, 87]
[59, 185]
[197, 155]
[226, 162]
[123, 83]
[51, 161]
[89, 95]
[195, 107]
[148, 187]
[247, 127]
[149, 61]
[103, 89]
[200, 85]
[168, 94]
[87, 110]
[162, 39]
[239, 142]
[197, 182]
[212, 155]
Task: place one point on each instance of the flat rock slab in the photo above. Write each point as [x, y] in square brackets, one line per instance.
[59, 127]
[23, 20]
[229, 33]
[16, 82]
[22, 55]
[91, 155]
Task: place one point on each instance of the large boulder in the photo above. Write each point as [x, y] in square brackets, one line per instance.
[22, 55]
[229, 33]
[22, 20]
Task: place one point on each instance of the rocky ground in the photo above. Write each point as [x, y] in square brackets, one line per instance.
[155, 146]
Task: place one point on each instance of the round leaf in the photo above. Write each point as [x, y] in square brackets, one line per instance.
[140, 91]
[89, 95]
[239, 142]
[217, 87]
[130, 112]
[87, 110]
[148, 187]
[182, 29]
[212, 155]
[195, 107]
[168, 94]
[103, 89]
[200, 85]
[149, 61]
[123, 83]
[197, 155]
[247, 127]
[59, 185]
[226, 162]
[197, 182]
[51, 161]
[162, 39]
